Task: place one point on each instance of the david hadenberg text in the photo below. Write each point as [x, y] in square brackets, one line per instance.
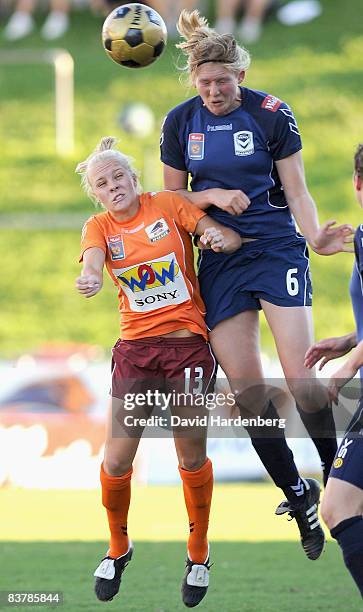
[202, 421]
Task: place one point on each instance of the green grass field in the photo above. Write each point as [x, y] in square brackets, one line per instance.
[53, 540]
[314, 67]
[251, 577]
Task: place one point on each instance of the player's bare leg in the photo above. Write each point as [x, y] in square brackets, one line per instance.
[116, 471]
[239, 357]
[225, 16]
[341, 500]
[292, 329]
[57, 22]
[250, 27]
[21, 22]
[197, 476]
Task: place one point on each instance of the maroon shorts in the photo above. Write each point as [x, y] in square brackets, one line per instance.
[184, 365]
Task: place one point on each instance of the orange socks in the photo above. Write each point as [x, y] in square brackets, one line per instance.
[116, 494]
[198, 488]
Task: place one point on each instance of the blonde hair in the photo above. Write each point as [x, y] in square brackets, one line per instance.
[203, 44]
[104, 151]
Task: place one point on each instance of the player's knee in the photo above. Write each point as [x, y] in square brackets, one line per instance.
[252, 401]
[309, 396]
[116, 466]
[192, 461]
[330, 512]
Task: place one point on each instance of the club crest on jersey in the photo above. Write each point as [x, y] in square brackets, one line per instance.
[196, 146]
[243, 143]
[153, 284]
[116, 247]
[271, 103]
[157, 230]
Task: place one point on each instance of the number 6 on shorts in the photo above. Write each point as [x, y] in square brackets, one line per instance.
[292, 284]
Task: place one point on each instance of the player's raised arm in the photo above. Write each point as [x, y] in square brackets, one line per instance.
[218, 237]
[328, 349]
[91, 280]
[346, 372]
[326, 239]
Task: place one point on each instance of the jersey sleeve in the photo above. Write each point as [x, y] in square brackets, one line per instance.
[171, 152]
[286, 138]
[92, 236]
[358, 248]
[184, 213]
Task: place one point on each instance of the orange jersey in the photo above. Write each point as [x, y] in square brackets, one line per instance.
[150, 259]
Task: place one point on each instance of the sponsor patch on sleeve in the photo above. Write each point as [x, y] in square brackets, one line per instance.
[116, 247]
[271, 103]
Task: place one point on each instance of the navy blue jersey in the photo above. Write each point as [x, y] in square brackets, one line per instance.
[356, 285]
[348, 461]
[236, 151]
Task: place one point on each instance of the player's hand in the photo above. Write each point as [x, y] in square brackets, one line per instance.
[212, 238]
[88, 285]
[232, 201]
[339, 379]
[330, 239]
[325, 350]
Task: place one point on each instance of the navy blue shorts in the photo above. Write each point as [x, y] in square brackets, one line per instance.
[348, 462]
[273, 270]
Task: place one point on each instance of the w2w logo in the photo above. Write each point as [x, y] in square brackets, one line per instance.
[148, 275]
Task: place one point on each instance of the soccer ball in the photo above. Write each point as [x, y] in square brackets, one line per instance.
[134, 35]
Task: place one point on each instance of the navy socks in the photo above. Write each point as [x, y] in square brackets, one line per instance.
[321, 429]
[349, 535]
[271, 447]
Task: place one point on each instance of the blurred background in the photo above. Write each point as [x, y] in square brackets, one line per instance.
[54, 346]
[315, 67]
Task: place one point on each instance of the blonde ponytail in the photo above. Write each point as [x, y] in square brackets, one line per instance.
[203, 44]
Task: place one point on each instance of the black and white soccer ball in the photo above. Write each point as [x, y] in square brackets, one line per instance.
[134, 35]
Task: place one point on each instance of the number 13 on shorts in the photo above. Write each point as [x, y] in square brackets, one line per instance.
[199, 377]
[193, 380]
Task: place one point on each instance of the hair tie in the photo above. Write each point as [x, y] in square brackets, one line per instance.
[221, 61]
